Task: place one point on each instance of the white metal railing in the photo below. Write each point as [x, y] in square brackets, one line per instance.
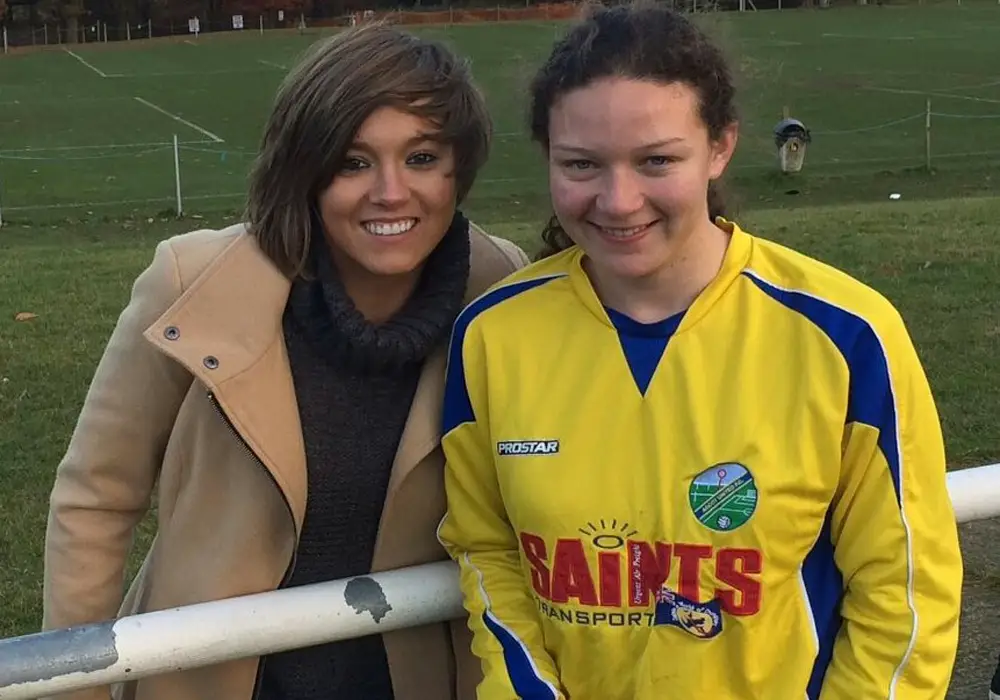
[208, 633]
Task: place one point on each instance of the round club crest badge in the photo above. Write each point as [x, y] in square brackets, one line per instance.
[723, 497]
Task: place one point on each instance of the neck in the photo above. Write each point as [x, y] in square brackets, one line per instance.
[379, 324]
[377, 297]
[695, 261]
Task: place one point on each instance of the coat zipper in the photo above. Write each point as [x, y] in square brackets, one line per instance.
[291, 564]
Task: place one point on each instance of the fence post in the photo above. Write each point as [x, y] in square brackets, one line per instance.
[177, 176]
[927, 136]
[5, 39]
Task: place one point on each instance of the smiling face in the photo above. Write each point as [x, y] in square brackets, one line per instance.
[391, 203]
[630, 162]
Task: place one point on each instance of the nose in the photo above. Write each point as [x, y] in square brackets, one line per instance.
[390, 187]
[621, 193]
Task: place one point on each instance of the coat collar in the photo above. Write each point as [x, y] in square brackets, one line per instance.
[226, 329]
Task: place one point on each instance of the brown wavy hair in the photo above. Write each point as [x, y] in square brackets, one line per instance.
[323, 102]
[641, 41]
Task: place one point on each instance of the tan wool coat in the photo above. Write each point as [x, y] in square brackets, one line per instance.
[194, 396]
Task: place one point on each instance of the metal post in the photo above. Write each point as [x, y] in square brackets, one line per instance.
[177, 176]
[927, 136]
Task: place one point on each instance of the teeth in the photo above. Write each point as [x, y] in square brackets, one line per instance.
[393, 229]
[623, 232]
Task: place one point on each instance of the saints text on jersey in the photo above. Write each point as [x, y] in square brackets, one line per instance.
[622, 584]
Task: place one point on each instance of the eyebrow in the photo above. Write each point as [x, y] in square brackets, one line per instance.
[418, 139]
[645, 147]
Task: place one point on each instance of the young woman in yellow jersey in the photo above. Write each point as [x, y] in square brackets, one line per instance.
[684, 461]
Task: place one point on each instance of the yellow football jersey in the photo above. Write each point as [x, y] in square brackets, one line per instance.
[747, 500]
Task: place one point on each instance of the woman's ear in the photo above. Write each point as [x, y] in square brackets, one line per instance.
[722, 150]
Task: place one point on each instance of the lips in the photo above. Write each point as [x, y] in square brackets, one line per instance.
[623, 232]
[394, 227]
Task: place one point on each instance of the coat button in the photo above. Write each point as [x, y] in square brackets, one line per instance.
[171, 333]
[211, 361]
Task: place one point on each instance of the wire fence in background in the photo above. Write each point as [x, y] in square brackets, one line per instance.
[95, 30]
[24, 28]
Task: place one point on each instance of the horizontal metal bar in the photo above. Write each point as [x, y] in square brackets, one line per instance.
[208, 633]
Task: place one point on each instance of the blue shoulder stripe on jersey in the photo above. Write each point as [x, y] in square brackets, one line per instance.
[870, 401]
[524, 678]
[457, 405]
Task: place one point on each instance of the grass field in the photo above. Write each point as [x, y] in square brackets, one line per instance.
[935, 260]
[96, 125]
[86, 185]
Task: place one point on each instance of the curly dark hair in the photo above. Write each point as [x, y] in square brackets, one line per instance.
[640, 41]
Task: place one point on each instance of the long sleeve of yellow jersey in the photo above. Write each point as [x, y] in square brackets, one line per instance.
[507, 634]
[894, 536]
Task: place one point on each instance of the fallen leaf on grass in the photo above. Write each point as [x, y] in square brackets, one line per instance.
[25, 316]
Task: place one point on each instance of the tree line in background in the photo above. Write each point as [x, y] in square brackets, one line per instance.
[76, 16]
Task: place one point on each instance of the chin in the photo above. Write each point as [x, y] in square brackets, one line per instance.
[395, 265]
[633, 265]
[630, 269]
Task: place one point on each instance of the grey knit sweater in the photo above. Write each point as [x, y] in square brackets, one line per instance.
[354, 382]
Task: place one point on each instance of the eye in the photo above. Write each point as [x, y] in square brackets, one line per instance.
[353, 164]
[660, 161]
[577, 164]
[423, 158]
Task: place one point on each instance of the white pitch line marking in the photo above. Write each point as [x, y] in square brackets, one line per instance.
[90, 65]
[183, 121]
